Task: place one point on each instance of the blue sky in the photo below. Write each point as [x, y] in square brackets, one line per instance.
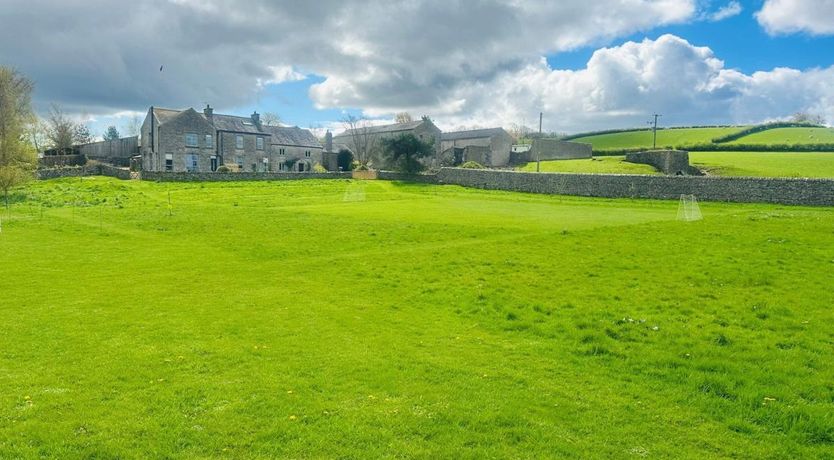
[466, 64]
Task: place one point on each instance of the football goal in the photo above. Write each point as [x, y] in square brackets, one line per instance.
[688, 209]
[355, 192]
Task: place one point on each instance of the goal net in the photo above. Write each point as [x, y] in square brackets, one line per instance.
[688, 209]
[355, 191]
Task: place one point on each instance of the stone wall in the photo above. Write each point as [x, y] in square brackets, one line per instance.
[809, 192]
[420, 178]
[89, 170]
[672, 162]
[243, 176]
[52, 161]
[555, 149]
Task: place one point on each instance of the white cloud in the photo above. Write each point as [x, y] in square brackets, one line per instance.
[728, 11]
[790, 16]
[281, 74]
[622, 86]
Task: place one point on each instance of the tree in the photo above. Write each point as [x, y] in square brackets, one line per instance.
[806, 117]
[63, 133]
[112, 134]
[133, 125]
[403, 117]
[270, 119]
[405, 152]
[17, 157]
[362, 136]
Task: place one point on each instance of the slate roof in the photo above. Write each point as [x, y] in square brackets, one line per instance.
[165, 115]
[295, 136]
[396, 127]
[235, 124]
[280, 135]
[473, 134]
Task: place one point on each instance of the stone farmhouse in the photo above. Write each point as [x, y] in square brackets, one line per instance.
[192, 141]
[368, 139]
[489, 147]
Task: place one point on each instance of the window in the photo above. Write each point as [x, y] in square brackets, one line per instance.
[259, 143]
[282, 152]
[306, 153]
[264, 166]
[191, 163]
[209, 141]
[239, 161]
[239, 142]
[191, 140]
[169, 161]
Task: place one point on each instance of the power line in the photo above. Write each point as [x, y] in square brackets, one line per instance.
[654, 130]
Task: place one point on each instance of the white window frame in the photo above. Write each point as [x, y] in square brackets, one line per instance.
[238, 142]
[259, 143]
[194, 137]
[209, 141]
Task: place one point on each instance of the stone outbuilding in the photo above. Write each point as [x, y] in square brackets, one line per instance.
[367, 140]
[489, 147]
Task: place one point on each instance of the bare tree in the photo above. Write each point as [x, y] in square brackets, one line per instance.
[520, 132]
[63, 132]
[806, 117]
[133, 125]
[403, 117]
[270, 119]
[363, 138]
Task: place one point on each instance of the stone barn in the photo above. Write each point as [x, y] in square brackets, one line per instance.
[489, 147]
[367, 140]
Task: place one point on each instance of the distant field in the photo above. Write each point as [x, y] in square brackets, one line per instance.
[765, 164]
[756, 164]
[643, 139]
[789, 136]
[598, 165]
[341, 319]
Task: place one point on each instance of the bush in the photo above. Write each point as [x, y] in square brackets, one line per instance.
[223, 169]
[318, 168]
[472, 165]
[360, 167]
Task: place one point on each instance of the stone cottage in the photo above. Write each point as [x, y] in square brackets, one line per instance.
[191, 141]
[367, 140]
[489, 147]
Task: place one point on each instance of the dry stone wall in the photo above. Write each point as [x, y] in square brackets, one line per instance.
[808, 192]
[244, 176]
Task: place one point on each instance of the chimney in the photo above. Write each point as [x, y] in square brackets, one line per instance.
[256, 118]
[208, 111]
[328, 141]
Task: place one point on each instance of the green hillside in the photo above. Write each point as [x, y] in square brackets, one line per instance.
[765, 164]
[789, 136]
[665, 137]
[599, 165]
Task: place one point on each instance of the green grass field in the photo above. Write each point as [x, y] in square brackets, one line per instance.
[598, 165]
[789, 136]
[765, 164]
[665, 137]
[754, 164]
[322, 319]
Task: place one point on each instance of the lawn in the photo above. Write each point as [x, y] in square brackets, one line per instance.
[789, 136]
[598, 165]
[665, 137]
[314, 319]
[765, 164]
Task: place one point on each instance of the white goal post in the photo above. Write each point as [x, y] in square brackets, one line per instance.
[688, 209]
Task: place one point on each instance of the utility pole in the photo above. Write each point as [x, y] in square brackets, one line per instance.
[654, 130]
[538, 154]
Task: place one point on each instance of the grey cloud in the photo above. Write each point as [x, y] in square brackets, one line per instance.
[99, 57]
